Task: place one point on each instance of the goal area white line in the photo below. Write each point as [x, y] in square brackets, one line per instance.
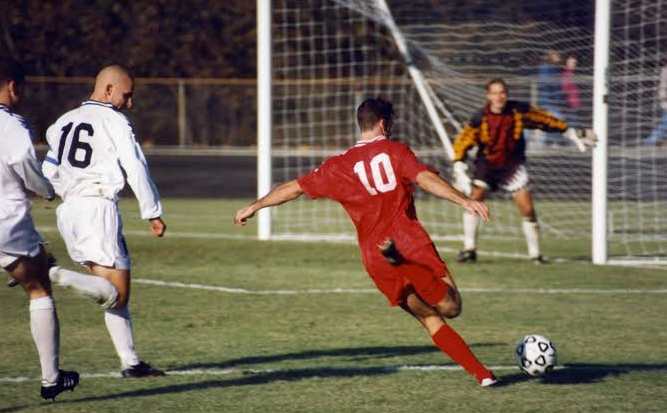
[232, 290]
[347, 239]
[315, 370]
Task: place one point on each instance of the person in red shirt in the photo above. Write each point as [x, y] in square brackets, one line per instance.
[373, 181]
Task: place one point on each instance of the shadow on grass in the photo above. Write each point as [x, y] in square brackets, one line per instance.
[352, 354]
[580, 373]
[570, 374]
[248, 380]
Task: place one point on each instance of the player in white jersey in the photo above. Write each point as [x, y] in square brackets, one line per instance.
[22, 254]
[90, 147]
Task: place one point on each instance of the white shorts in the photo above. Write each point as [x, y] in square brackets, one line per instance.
[511, 183]
[93, 232]
[8, 258]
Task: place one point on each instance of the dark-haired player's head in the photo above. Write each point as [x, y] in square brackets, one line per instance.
[376, 113]
[496, 93]
[12, 78]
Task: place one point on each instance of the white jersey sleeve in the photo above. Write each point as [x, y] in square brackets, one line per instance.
[23, 162]
[132, 160]
[50, 171]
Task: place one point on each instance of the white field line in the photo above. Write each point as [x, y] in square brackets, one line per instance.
[172, 234]
[374, 291]
[345, 239]
[389, 369]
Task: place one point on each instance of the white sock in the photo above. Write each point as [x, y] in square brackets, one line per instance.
[119, 325]
[532, 232]
[470, 230]
[99, 289]
[46, 334]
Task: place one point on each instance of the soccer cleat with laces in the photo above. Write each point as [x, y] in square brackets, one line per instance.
[467, 256]
[141, 370]
[489, 381]
[67, 380]
[540, 260]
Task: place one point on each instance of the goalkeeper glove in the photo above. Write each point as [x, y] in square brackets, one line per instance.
[462, 181]
[582, 138]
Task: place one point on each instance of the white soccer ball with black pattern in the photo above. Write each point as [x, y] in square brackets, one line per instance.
[535, 354]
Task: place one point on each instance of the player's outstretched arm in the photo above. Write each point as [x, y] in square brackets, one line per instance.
[433, 184]
[285, 192]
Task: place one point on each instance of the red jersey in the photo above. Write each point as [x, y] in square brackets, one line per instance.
[373, 181]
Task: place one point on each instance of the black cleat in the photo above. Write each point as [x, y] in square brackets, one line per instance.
[467, 256]
[12, 282]
[67, 380]
[540, 260]
[141, 370]
[390, 252]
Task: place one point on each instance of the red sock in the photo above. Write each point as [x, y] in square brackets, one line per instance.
[451, 343]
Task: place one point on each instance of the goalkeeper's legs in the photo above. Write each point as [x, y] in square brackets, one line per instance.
[524, 203]
[471, 229]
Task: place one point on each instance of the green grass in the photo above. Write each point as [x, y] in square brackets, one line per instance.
[333, 352]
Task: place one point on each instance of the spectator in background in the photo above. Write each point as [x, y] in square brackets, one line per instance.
[570, 90]
[660, 131]
[550, 94]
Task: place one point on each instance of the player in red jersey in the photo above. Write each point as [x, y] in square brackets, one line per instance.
[373, 181]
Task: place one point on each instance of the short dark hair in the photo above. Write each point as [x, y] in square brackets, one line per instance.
[11, 69]
[372, 110]
[496, 81]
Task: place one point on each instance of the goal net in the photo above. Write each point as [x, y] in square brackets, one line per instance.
[329, 55]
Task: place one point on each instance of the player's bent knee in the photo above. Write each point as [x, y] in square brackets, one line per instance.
[449, 308]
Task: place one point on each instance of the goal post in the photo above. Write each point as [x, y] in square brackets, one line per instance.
[318, 60]
[264, 114]
[600, 125]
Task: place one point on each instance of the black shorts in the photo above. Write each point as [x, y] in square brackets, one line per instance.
[511, 177]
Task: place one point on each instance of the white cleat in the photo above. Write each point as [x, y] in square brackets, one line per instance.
[489, 381]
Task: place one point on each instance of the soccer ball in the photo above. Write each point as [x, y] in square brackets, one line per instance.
[535, 354]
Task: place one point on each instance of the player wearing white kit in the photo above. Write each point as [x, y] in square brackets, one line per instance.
[22, 254]
[90, 147]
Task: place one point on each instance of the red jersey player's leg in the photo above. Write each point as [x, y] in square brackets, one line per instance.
[435, 298]
[447, 339]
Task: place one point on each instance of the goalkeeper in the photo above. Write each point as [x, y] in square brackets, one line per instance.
[497, 131]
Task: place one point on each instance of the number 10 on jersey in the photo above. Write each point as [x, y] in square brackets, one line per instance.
[383, 160]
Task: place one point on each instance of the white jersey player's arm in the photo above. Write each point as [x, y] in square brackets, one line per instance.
[50, 171]
[24, 162]
[132, 160]
[29, 170]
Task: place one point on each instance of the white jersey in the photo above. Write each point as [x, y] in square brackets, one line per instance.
[88, 147]
[19, 171]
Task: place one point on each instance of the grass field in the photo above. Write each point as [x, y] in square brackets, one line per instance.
[259, 350]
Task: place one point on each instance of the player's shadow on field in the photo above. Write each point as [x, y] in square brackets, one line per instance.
[351, 354]
[576, 373]
[248, 380]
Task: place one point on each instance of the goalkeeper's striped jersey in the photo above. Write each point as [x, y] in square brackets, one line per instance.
[500, 136]
[90, 147]
[373, 181]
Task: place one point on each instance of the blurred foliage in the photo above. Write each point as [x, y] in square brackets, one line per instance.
[159, 38]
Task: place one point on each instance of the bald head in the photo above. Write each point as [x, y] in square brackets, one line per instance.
[114, 85]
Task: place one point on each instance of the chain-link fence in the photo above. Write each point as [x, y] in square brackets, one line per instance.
[186, 113]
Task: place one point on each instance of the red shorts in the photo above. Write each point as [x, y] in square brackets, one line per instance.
[422, 273]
